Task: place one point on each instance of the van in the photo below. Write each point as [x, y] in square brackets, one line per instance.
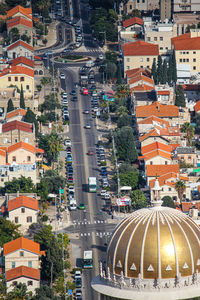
[72, 205]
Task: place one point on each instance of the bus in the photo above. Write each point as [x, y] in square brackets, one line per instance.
[92, 184]
[87, 259]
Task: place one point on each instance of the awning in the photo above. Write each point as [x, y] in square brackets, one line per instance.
[46, 167]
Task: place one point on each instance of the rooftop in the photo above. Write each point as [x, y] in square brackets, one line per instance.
[164, 179]
[197, 106]
[157, 109]
[153, 120]
[159, 170]
[185, 150]
[25, 11]
[16, 112]
[23, 201]
[20, 43]
[187, 44]
[132, 21]
[155, 153]
[156, 146]
[22, 271]
[145, 95]
[22, 60]
[12, 70]
[23, 145]
[22, 243]
[140, 77]
[138, 71]
[140, 48]
[19, 21]
[19, 125]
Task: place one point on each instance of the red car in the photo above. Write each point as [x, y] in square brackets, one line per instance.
[85, 91]
[90, 152]
[70, 179]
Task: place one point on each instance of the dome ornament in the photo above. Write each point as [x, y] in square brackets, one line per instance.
[133, 267]
[150, 268]
[119, 264]
[156, 201]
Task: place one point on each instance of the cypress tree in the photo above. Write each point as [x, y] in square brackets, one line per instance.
[159, 69]
[119, 74]
[164, 71]
[174, 70]
[10, 106]
[154, 71]
[169, 70]
[180, 97]
[22, 103]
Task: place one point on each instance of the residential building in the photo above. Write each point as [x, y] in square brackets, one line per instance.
[139, 55]
[169, 113]
[139, 80]
[197, 107]
[17, 114]
[143, 97]
[161, 34]
[191, 92]
[145, 5]
[165, 10]
[149, 124]
[156, 157]
[22, 252]
[153, 171]
[15, 131]
[186, 6]
[167, 183]
[22, 210]
[18, 76]
[187, 155]
[183, 20]
[20, 11]
[22, 274]
[187, 50]
[165, 94]
[22, 62]
[24, 27]
[19, 48]
[131, 28]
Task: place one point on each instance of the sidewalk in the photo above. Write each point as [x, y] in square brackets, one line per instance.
[51, 37]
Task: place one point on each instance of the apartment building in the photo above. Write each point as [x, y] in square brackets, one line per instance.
[143, 5]
[180, 6]
[187, 50]
[139, 54]
[165, 9]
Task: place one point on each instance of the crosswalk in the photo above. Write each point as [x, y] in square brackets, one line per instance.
[96, 233]
[78, 223]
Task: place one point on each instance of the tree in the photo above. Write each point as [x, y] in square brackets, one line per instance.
[128, 179]
[124, 120]
[126, 168]
[22, 184]
[30, 117]
[14, 34]
[10, 106]
[121, 111]
[50, 103]
[164, 72]
[154, 71]
[180, 98]
[8, 231]
[13, 3]
[174, 70]
[159, 70]
[180, 188]
[44, 292]
[110, 69]
[124, 140]
[19, 292]
[45, 81]
[168, 202]
[119, 74]
[189, 130]
[138, 199]
[169, 70]
[22, 103]
[53, 181]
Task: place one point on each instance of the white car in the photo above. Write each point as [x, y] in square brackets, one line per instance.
[103, 192]
[107, 196]
[77, 274]
[64, 101]
[62, 76]
[78, 44]
[64, 95]
[71, 189]
[101, 56]
[68, 143]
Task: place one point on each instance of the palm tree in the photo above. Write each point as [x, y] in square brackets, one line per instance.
[122, 110]
[43, 4]
[189, 130]
[55, 146]
[19, 292]
[45, 81]
[180, 188]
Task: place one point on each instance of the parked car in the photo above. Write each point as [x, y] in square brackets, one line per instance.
[73, 92]
[78, 283]
[62, 76]
[87, 126]
[90, 152]
[68, 142]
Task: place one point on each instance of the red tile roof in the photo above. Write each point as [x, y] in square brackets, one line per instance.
[164, 179]
[142, 88]
[163, 92]
[187, 44]
[159, 170]
[21, 243]
[22, 271]
[140, 48]
[132, 21]
[158, 110]
[197, 106]
[22, 60]
[155, 153]
[20, 43]
[24, 11]
[23, 201]
[17, 70]
[23, 145]
[2, 152]
[156, 146]
[187, 205]
[139, 78]
[138, 71]
[13, 125]
[16, 112]
[180, 37]
[190, 87]
[19, 21]
[153, 120]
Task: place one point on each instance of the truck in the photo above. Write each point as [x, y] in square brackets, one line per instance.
[87, 259]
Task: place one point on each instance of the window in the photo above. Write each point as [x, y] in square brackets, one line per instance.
[194, 52]
[148, 59]
[16, 220]
[14, 158]
[194, 59]
[9, 78]
[128, 59]
[130, 6]
[21, 78]
[30, 264]
[169, 189]
[29, 219]
[161, 48]
[161, 38]
[127, 68]
[187, 59]
[141, 66]
[138, 1]
[166, 48]
[21, 253]
[13, 264]
[148, 39]
[5, 140]
[14, 283]
[16, 78]
[194, 68]
[187, 52]
[184, 60]
[155, 38]
[166, 163]
[151, 163]
[180, 60]
[143, 1]
[189, 157]
[27, 87]
[23, 210]
[141, 59]
[26, 140]
[183, 52]
[28, 158]
[16, 140]
[30, 282]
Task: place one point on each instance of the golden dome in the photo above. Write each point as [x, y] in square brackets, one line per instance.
[155, 243]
